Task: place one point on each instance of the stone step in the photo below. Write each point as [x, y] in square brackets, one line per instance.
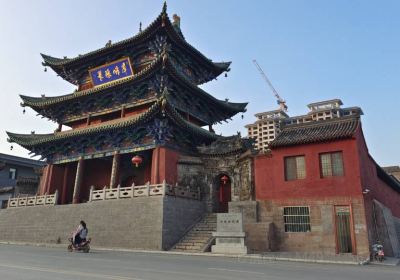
[198, 234]
[187, 247]
[205, 226]
[193, 242]
[196, 239]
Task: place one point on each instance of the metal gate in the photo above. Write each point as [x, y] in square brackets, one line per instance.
[343, 230]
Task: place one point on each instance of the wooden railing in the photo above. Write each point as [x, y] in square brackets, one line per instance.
[140, 191]
[33, 200]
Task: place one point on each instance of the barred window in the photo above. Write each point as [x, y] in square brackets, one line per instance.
[331, 164]
[295, 168]
[297, 219]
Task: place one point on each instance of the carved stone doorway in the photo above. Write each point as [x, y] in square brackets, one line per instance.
[224, 193]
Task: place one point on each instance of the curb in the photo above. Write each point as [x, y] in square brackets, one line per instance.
[238, 257]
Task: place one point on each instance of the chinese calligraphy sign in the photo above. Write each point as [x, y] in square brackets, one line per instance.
[111, 72]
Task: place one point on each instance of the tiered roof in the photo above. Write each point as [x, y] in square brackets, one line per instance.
[56, 108]
[163, 94]
[46, 144]
[72, 69]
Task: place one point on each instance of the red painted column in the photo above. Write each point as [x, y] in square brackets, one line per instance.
[78, 181]
[115, 170]
[49, 179]
[64, 186]
[43, 180]
[155, 172]
[164, 166]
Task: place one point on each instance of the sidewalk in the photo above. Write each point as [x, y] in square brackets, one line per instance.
[256, 257]
[388, 261]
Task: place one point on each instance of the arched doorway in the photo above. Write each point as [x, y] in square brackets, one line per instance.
[224, 193]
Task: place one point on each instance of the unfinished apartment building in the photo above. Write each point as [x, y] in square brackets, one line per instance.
[268, 124]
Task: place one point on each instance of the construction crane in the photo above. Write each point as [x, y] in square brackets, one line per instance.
[281, 102]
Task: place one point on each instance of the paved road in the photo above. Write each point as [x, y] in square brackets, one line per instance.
[25, 262]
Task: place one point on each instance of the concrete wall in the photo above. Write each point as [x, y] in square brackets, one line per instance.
[179, 215]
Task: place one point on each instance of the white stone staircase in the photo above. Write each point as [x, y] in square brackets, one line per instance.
[199, 238]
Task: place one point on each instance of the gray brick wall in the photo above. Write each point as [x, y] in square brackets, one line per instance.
[131, 223]
[180, 214]
[153, 223]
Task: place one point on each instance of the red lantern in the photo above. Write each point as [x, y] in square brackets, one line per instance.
[136, 160]
[224, 179]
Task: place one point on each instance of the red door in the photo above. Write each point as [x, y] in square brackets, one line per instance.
[224, 195]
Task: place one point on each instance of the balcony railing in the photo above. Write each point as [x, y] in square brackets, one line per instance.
[142, 191]
[33, 200]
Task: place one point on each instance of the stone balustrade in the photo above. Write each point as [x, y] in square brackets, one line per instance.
[144, 190]
[33, 200]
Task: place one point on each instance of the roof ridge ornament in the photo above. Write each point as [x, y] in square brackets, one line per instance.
[176, 21]
[164, 14]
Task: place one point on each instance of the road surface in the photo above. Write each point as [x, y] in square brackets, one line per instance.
[28, 262]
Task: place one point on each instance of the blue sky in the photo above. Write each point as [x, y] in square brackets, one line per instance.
[311, 51]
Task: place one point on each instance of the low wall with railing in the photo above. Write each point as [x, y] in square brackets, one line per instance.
[142, 191]
[33, 200]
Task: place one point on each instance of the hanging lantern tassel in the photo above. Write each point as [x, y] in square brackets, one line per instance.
[45, 69]
[11, 147]
[23, 111]
[136, 160]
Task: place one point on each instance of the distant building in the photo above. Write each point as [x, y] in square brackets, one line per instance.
[18, 176]
[266, 128]
[393, 171]
[268, 124]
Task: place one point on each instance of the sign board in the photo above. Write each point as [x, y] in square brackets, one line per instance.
[110, 72]
[229, 222]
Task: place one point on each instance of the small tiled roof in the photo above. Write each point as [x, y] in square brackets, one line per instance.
[317, 131]
[227, 146]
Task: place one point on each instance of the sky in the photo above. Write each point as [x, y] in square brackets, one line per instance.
[310, 50]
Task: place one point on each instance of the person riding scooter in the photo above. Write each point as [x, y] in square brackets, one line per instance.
[78, 239]
[377, 252]
[80, 234]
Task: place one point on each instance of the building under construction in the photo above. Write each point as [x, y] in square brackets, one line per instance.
[268, 124]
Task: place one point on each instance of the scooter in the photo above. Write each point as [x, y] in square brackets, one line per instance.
[377, 252]
[84, 246]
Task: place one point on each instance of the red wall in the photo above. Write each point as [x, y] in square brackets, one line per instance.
[164, 166]
[55, 181]
[270, 173]
[369, 180]
[96, 172]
